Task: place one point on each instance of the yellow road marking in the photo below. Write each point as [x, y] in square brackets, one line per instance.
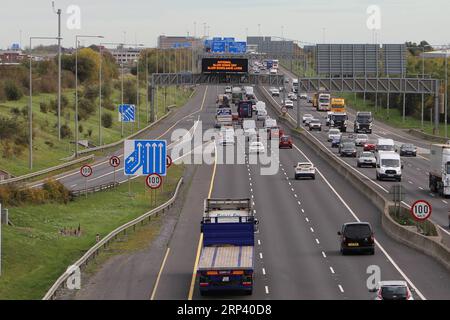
[199, 247]
[159, 274]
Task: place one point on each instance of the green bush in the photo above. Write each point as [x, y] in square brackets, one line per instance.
[85, 108]
[43, 107]
[65, 131]
[12, 91]
[107, 120]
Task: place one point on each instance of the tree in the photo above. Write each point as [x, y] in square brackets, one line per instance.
[107, 120]
[12, 91]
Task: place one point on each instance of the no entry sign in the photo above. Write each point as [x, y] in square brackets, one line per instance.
[421, 210]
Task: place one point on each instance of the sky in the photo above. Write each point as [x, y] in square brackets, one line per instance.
[309, 21]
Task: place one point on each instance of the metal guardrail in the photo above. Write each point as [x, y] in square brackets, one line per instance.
[102, 187]
[91, 253]
[45, 171]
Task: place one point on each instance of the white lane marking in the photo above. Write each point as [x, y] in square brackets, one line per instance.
[376, 241]
[259, 242]
[312, 230]
[332, 270]
[317, 240]
[341, 289]
[420, 188]
[410, 182]
[299, 203]
[254, 211]
[444, 201]
[324, 255]
[73, 186]
[307, 220]
[264, 271]
[303, 210]
[295, 196]
[260, 255]
[267, 290]
[292, 189]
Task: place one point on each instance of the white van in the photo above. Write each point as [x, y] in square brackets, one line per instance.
[249, 127]
[389, 166]
[270, 123]
[385, 145]
[260, 106]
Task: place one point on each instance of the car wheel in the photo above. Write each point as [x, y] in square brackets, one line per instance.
[372, 252]
[358, 165]
[343, 251]
[314, 177]
[248, 292]
[399, 179]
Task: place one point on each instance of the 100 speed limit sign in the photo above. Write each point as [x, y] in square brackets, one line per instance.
[421, 210]
[154, 181]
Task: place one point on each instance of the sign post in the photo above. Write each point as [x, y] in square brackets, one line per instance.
[86, 172]
[421, 212]
[154, 182]
[114, 162]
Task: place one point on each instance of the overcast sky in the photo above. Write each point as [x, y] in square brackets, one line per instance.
[336, 21]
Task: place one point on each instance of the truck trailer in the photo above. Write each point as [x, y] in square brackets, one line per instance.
[440, 169]
[226, 261]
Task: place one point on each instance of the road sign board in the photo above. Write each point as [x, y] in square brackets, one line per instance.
[218, 46]
[114, 162]
[86, 171]
[237, 47]
[154, 181]
[127, 113]
[144, 157]
[421, 210]
[169, 162]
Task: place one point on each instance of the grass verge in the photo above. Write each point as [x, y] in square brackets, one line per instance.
[35, 254]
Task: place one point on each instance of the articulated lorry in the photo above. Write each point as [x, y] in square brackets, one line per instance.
[363, 122]
[322, 100]
[440, 169]
[227, 256]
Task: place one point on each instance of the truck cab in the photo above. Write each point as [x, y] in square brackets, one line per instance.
[338, 120]
[363, 122]
[439, 175]
[322, 101]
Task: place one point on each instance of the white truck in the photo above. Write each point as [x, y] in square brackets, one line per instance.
[440, 169]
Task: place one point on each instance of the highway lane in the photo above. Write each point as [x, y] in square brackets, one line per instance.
[415, 173]
[358, 203]
[185, 117]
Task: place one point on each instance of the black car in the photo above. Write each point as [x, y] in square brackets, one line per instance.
[348, 149]
[357, 237]
[408, 150]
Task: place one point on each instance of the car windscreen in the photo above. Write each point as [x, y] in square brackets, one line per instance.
[350, 146]
[367, 155]
[390, 163]
[324, 100]
[334, 131]
[364, 119]
[386, 148]
[339, 118]
[357, 231]
[394, 292]
[285, 139]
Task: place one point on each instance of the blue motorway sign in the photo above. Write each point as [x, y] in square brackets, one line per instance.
[229, 39]
[127, 113]
[144, 157]
[218, 46]
[237, 47]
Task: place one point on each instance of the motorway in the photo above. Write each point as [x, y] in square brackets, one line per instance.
[297, 251]
[103, 173]
[415, 173]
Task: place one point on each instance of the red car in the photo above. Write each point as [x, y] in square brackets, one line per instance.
[285, 142]
[370, 146]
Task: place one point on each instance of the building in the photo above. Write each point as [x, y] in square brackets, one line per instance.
[170, 42]
[12, 56]
[127, 56]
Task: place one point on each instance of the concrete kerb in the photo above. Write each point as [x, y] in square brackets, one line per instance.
[426, 136]
[431, 246]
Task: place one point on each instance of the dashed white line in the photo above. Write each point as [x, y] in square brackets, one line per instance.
[312, 230]
[292, 189]
[264, 271]
[267, 290]
[317, 240]
[444, 201]
[324, 255]
[307, 220]
[260, 255]
[299, 203]
[341, 289]
[295, 196]
[259, 242]
[332, 270]
[303, 210]
[420, 188]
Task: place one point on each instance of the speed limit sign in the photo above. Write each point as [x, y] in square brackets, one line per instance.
[86, 171]
[153, 181]
[421, 210]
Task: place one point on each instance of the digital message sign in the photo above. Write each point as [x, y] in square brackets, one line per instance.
[224, 65]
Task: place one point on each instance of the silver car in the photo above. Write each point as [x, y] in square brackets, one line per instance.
[366, 159]
[361, 139]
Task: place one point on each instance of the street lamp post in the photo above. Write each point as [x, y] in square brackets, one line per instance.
[76, 87]
[58, 12]
[30, 106]
[446, 92]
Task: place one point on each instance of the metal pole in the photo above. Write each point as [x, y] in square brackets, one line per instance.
[146, 85]
[30, 114]
[76, 97]
[59, 74]
[423, 96]
[100, 100]
[0, 239]
[121, 122]
[298, 111]
[436, 110]
[446, 92]
[404, 107]
[137, 96]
